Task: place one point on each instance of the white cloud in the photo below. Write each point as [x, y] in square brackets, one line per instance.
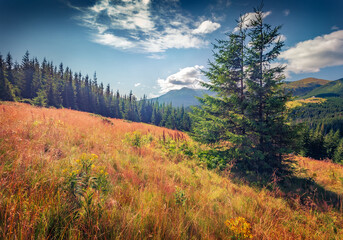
[143, 26]
[281, 38]
[137, 84]
[157, 56]
[312, 55]
[248, 17]
[286, 12]
[206, 27]
[113, 41]
[152, 95]
[187, 77]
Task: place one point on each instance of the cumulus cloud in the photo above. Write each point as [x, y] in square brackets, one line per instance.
[144, 26]
[206, 27]
[312, 55]
[186, 77]
[248, 17]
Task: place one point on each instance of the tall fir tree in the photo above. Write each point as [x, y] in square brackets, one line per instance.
[271, 136]
[5, 86]
[249, 111]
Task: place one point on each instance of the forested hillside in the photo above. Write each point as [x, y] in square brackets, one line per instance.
[332, 89]
[322, 128]
[44, 84]
[304, 86]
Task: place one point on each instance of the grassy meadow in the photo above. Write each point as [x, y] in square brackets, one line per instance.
[66, 174]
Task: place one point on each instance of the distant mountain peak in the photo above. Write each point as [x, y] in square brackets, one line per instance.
[183, 97]
[303, 86]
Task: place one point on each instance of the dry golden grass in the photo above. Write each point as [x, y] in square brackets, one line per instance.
[154, 192]
[326, 173]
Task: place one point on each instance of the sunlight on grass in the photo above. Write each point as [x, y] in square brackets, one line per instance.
[68, 175]
[301, 102]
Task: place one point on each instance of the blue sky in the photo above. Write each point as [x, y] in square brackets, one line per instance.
[153, 46]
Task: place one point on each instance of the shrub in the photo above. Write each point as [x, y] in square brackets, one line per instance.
[180, 197]
[85, 182]
[136, 139]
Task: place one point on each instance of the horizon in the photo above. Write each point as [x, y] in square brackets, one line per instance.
[152, 47]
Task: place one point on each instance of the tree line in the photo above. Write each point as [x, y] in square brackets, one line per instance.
[44, 84]
[322, 128]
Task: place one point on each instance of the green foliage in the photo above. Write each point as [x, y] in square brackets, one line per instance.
[180, 196]
[249, 111]
[338, 155]
[6, 93]
[41, 99]
[215, 159]
[178, 148]
[84, 180]
[331, 89]
[137, 139]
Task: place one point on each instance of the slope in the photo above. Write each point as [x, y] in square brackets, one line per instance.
[66, 174]
[184, 97]
[331, 89]
[304, 86]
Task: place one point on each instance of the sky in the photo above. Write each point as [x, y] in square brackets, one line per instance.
[154, 46]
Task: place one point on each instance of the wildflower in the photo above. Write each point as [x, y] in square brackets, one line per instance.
[240, 227]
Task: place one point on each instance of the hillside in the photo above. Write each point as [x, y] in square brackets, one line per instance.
[66, 174]
[331, 89]
[304, 86]
[184, 97]
[187, 97]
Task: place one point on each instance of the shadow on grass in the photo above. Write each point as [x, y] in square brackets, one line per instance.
[297, 190]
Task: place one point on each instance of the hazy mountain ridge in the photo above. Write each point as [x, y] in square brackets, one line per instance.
[187, 97]
[184, 97]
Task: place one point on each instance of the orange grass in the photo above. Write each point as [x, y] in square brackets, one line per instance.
[146, 185]
[326, 173]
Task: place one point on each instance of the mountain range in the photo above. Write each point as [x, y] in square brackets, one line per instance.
[304, 88]
[184, 97]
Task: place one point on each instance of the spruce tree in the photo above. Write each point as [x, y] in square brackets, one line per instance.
[338, 156]
[271, 136]
[5, 86]
[248, 114]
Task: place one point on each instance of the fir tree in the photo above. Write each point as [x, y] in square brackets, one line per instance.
[27, 73]
[249, 110]
[5, 86]
[271, 136]
[338, 156]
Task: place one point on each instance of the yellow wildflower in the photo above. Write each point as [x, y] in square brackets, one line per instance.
[240, 227]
